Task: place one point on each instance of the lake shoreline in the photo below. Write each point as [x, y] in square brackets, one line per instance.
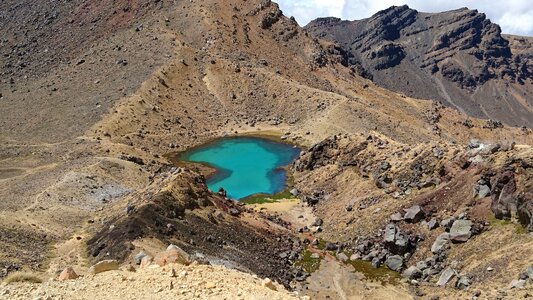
[281, 154]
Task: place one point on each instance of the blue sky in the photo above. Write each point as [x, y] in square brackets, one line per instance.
[514, 16]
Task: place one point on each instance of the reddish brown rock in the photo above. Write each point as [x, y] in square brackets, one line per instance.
[173, 254]
[68, 274]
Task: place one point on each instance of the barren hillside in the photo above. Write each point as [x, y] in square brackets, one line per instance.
[96, 97]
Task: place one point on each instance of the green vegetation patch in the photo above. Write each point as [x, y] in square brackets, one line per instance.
[322, 245]
[498, 222]
[519, 229]
[265, 198]
[382, 274]
[308, 263]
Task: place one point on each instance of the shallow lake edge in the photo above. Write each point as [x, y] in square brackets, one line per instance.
[208, 170]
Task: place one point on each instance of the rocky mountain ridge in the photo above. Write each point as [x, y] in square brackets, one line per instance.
[458, 57]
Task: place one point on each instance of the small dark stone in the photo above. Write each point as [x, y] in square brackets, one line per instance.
[331, 246]
[432, 224]
[318, 222]
[376, 262]
[129, 209]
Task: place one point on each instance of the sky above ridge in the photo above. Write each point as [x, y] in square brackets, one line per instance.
[514, 16]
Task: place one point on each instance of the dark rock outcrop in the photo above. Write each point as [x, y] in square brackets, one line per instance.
[414, 214]
[396, 241]
[461, 231]
[328, 152]
[177, 207]
[503, 202]
[525, 210]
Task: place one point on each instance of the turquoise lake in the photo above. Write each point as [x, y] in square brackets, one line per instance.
[245, 165]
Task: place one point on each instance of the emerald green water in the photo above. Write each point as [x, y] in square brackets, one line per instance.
[245, 165]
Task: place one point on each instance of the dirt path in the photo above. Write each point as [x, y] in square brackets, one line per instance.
[336, 281]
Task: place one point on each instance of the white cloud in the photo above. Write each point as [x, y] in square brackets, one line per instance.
[519, 23]
[514, 16]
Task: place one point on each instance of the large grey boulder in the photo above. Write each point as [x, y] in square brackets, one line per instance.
[342, 257]
[396, 217]
[463, 283]
[371, 255]
[376, 262]
[138, 257]
[447, 223]
[461, 231]
[412, 273]
[414, 214]
[401, 243]
[517, 284]
[294, 192]
[440, 242]
[395, 241]
[394, 262]
[331, 246]
[529, 271]
[446, 276]
[525, 210]
[503, 204]
[483, 191]
[474, 144]
[422, 265]
[390, 233]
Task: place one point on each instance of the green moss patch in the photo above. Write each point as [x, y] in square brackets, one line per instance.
[382, 274]
[322, 245]
[308, 263]
[265, 198]
[519, 229]
[498, 222]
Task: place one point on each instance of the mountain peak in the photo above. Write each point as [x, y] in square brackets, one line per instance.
[456, 57]
[393, 10]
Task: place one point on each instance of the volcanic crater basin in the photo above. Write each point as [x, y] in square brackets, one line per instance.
[245, 165]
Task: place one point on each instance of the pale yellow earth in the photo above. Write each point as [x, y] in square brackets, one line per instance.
[186, 282]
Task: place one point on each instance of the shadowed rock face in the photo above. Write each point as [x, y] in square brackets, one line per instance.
[458, 57]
